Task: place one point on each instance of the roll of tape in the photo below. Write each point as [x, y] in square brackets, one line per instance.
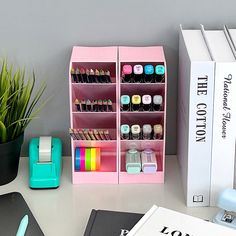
[82, 159]
[93, 158]
[77, 159]
[88, 159]
[98, 158]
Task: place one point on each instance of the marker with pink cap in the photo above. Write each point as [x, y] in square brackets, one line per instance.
[127, 73]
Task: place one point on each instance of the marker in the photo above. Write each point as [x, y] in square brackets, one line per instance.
[125, 102]
[149, 161]
[138, 73]
[135, 132]
[83, 105]
[102, 76]
[95, 105]
[77, 73]
[100, 106]
[96, 134]
[109, 105]
[148, 71]
[83, 75]
[91, 134]
[91, 76]
[77, 104]
[97, 76]
[133, 161]
[102, 136]
[73, 75]
[124, 131]
[93, 159]
[77, 159]
[160, 73]
[88, 105]
[107, 76]
[157, 131]
[104, 104]
[81, 133]
[107, 135]
[86, 134]
[127, 73]
[77, 135]
[23, 226]
[136, 102]
[72, 134]
[87, 159]
[157, 102]
[147, 131]
[147, 101]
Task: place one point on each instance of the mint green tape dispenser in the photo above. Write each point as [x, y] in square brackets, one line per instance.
[45, 157]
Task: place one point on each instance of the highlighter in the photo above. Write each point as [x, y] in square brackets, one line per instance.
[73, 75]
[127, 74]
[135, 132]
[138, 73]
[78, 76]
[107, 76]
[157, 102]
[91, 76]
[124, 131]
[149, 161]
[136, 102]
[147, 101]
[133, 161]
[147, 131]
[83, 75]
[125, 102]
[87, 76]
[77, 104]
[157, 131]
[97, 76]
[148, 73]
[160, 73]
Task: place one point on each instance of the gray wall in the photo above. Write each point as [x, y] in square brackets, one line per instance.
[40, 36]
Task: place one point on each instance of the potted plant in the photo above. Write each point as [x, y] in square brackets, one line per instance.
[17, 109]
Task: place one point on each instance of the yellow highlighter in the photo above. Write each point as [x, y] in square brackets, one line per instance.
[93, 159]
[136, 102]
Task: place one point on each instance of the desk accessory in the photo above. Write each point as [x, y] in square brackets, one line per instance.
[118, 223]
[149, 161]
[45, 160]
[159, 221]
[227, 202]
[17, 109]
[13, 208]
[23, 226]
[113, 59]
[133, 161]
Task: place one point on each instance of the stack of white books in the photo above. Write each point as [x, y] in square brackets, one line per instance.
[206, 113]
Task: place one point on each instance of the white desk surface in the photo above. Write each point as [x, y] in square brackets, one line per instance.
[65, 211]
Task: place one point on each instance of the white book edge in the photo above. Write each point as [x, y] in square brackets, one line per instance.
[142, 221]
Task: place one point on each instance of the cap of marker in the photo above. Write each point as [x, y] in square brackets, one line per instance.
[157, 99]
[146, 99]
[124, 129]
[136, 99]
[147, 129]
[125, 99]
[138, 69]
[148, 69]
[160, 70]
[126, 70]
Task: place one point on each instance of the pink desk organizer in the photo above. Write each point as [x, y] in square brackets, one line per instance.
[113, 151]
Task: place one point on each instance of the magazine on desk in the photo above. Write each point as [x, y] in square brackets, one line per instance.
[160, 221]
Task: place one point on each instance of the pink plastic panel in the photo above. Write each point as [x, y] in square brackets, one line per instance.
[141, 54]
[94, 54]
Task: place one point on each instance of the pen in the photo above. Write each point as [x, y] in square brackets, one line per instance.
[23, 226]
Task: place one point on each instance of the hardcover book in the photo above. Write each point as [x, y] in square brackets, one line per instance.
[112, 223]
[224, 112]
[195, 111]
[160, 221]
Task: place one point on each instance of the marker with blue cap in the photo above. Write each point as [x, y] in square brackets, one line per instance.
[124, 131]
[160, 73]
[148, 71]
[125, 102]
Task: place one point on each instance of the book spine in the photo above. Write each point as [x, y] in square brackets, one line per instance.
[200, 133]
[224, 129]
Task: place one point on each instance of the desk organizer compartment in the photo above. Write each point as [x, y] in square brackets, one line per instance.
[142, 56]
[104, 58]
